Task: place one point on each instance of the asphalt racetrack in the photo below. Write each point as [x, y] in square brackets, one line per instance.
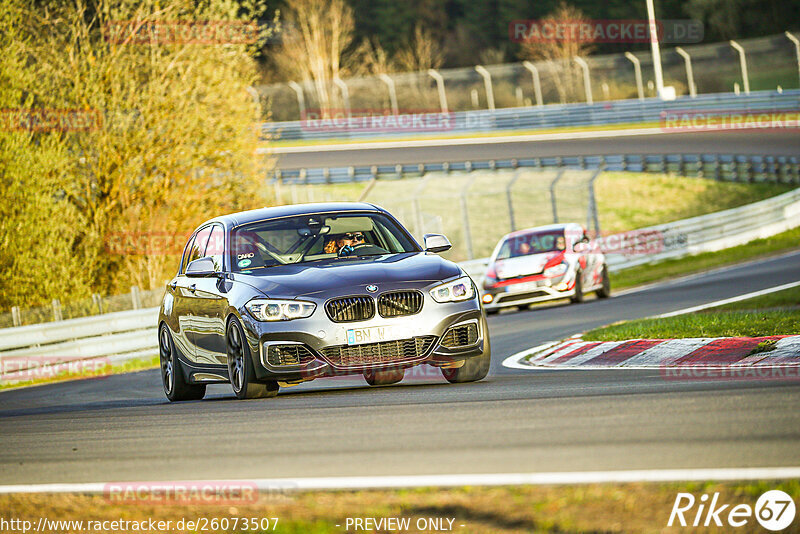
[122, 428]
[761, 142]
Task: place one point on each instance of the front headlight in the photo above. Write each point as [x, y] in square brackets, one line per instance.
[455, 291]
[556, 270]
[279, 310]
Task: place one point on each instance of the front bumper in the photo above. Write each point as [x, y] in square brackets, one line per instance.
[318, 333]
[529, 292]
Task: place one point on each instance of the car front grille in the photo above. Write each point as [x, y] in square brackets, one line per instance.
[292, 354]
[376, 353]
[460, 336]
[398, 303]
[350, 309]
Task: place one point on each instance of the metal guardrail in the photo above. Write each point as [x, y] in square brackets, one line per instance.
[132, 334]
[726, 167]
[649, 110]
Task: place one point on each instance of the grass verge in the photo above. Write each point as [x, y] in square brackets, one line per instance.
[640, 507]
[644, 274]
[768, 315]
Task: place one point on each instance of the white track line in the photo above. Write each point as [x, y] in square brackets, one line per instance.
[491, 140]
[489, 479]
[730, 300]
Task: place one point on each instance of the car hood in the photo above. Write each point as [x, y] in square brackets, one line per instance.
[525, 265]
[338, 276]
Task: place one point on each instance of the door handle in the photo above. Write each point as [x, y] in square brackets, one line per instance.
[193, 288]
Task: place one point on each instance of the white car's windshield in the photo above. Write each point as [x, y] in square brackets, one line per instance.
[532, 243]
[316, 237]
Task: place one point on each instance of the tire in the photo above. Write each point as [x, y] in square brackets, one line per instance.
[578, 297]
[493, 311]
[176, 388]
[605, 291]
[384, 377]
[240, 366]
[475, 368]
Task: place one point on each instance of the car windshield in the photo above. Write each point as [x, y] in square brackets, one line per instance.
[316, 237]
[532, 243]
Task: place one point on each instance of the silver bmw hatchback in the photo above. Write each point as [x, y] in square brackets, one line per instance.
[283, 295]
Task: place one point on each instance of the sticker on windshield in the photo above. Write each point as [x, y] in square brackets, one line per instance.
[244, 263]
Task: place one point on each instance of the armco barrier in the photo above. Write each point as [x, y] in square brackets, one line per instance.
[132, 334]
[557, 116]
[727, 167]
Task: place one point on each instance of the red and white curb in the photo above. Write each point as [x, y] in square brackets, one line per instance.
[575, 353]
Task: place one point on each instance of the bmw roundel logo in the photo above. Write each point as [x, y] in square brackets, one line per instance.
[372, 288]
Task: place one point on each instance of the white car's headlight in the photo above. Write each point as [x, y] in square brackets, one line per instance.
[455, 291]
[279, 310]
[556, 270]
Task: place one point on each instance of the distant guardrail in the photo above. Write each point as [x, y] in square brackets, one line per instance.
[528, 118]
[726, 167]
[128, 335]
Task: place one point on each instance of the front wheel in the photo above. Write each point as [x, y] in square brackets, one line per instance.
[175, 385]
[605, 291]
[578, 296]
[240, 367]
[475, 368]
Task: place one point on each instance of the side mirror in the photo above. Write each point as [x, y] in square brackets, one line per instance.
[201, 267]
[436, 243]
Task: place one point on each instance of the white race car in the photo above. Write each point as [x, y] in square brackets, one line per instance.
[544, 263]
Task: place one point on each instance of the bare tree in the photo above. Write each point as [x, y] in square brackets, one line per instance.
[559, 53]
[316, 35]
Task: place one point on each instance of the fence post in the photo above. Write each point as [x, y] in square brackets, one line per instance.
[433, 73]
[508, 198]
[301, 100]
[743, 65]
[416, 209]
[537, 83]
[587, 84]
[345, 93]
[553, 193]
[135, 298]
[98, 300]
[392, 92]
[637, 72]
[689, 75]
[487, 83]
[57, 310]
[465, 217]
[16, 318]
[593, 216]
[796, 43]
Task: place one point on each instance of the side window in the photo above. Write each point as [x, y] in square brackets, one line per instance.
[216, 246]
[186, 254]
[198, 247]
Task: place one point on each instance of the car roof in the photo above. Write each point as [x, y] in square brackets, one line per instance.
[233, 220]
[545, 228]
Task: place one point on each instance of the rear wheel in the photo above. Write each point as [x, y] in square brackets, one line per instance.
[175, 385]
[578, 296]
[240, 367]
[384, 377]
[475, 368]
[605, 291]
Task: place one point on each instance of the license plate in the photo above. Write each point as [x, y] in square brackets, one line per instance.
[525, 286]
[373, 334]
